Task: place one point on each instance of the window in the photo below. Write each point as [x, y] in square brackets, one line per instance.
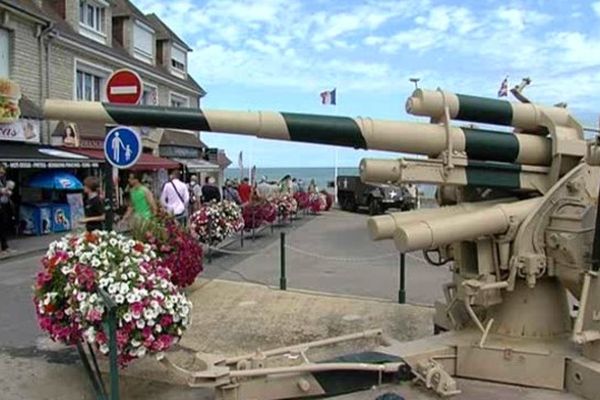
[143, 42]
[179, 101]
[91, 15]
[4, 54]
[89, 86]
[150, 96]
[178, 56]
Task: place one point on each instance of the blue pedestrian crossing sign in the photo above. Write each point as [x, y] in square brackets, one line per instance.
[122, 147]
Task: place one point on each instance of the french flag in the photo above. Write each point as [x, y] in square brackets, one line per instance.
[328, 97]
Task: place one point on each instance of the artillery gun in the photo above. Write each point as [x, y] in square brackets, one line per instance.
[517, 221]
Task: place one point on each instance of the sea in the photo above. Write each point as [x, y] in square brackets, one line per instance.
[323, 177]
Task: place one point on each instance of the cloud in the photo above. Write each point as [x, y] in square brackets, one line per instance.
[375, 45]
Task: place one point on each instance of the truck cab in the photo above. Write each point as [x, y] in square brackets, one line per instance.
[377, 198]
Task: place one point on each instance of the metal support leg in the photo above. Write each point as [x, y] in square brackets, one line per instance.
[282, 276]
[402, 280]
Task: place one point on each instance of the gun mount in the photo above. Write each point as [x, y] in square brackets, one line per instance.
[517, 220]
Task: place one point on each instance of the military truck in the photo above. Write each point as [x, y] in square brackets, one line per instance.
[353, 193]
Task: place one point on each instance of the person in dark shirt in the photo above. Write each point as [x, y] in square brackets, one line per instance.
[94, 209]
[210, 191]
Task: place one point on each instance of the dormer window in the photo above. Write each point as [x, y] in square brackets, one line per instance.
[143, 42]
[92, 19]
[178, 61]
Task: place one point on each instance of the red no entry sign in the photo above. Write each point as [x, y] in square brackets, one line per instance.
[124, 87]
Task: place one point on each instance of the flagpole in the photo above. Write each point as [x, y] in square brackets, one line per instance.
[335, 166]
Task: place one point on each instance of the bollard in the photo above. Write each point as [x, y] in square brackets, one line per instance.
[402, 289]
[282, 277]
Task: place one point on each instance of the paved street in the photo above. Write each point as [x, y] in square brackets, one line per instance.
[333, 253]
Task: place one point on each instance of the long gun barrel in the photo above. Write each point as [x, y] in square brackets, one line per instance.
[362, 133]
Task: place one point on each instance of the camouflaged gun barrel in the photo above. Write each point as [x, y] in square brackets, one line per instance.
[525, 116]
[436, 230]
[383, 226]
[360, 133]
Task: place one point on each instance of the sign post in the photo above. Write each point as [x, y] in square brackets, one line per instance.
[122, 146]
[122, 149]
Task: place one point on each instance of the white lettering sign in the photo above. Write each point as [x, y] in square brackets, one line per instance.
[23, 130]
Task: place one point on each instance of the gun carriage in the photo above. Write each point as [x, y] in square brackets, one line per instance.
[516, 223]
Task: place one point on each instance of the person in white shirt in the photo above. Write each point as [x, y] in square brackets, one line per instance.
[175, 197]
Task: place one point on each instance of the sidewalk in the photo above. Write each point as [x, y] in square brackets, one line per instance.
[29, 245]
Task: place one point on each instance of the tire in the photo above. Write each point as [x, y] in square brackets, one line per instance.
[375, 207]
[351, 204]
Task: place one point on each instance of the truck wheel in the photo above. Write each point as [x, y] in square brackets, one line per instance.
[374, 207]
[351, 204]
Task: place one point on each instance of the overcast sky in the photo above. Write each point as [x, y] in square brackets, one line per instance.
[280, 54]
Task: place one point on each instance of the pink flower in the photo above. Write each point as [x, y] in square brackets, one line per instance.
[137, 309]
[94, 315]
[166, 320]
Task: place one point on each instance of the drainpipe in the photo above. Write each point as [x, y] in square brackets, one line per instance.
[47, 32]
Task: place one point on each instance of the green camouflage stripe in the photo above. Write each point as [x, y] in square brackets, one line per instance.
[156, 116]
[481, 109]
[338, 131]
[493, 174]
[482, 144]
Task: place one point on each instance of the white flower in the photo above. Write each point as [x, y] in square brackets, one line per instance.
[119, 298]
[135, 343]
[81, 296]
[124, 288]
[151, 322]
[113, 242]
[112, 289]
[140, 324]
[127, 317]
[104, 348]
[158, 328]
[141, 352]
[124, 277]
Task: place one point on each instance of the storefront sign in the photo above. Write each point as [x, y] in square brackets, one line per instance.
[175, 151]
[91, 143]
[23, 130]
[50, 164]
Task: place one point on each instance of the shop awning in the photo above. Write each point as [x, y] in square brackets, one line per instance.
[197, 165]
[27, 155]
[147, 162]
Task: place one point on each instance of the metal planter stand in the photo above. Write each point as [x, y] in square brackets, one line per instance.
[91, 368]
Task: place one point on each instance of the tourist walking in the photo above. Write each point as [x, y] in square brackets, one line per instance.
[6, 212]
[245, 190]
[210, 191]
[93, 206]
[141, 202]
[195, 193]
[231, 194]
[312, 187]
[175, 197]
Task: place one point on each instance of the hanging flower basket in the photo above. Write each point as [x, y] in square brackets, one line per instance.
[175, 246]
[152, 313]
[256, 214]
[214, 222]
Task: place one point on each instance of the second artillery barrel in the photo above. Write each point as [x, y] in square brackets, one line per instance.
[526, 116]
[434, 231]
